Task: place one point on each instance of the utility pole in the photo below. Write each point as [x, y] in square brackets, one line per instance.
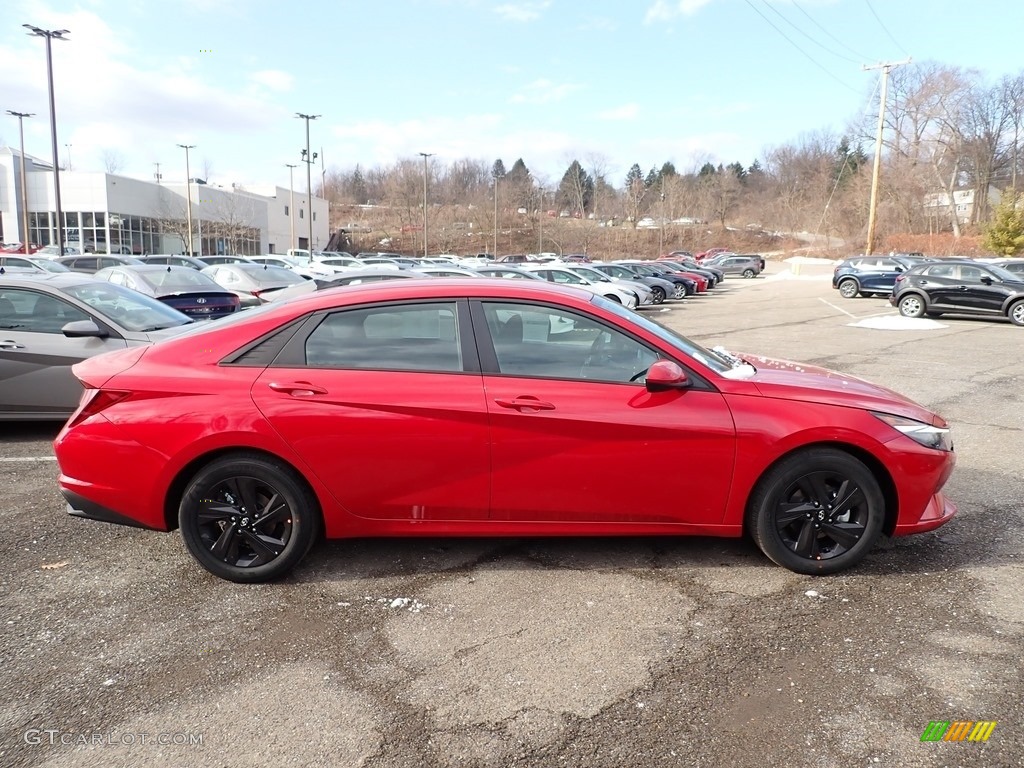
[291, 205]
[158, 175]
[425, 155]
[188, 197]
[495, 252]
[25, 237]
[540, 223]
[869, 248]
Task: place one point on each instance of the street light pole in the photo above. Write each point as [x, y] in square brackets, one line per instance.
[425, 155]
[540, 223]
[494, 253]
[24, 181]
[68, 148]
[291, 202]
[50, 35]
[188, 197]
[309, 178]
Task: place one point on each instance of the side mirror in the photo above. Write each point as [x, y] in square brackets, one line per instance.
[664, 375]
[986, 280]
[84, 329]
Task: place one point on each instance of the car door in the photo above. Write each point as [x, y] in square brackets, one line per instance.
[941, 285]
[576, 436]
[385, 405]
[980, 290]
[879, 274]
[36, 357]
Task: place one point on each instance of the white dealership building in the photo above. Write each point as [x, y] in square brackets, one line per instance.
[105, 212]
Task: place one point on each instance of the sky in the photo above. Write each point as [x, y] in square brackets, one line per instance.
[611, 82]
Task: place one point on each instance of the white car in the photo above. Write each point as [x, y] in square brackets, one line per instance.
[563, 275]
[338, 264]
[300, 265]
[643, 292]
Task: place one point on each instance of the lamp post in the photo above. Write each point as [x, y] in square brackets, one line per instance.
[68, 148]
[291, 203]
[157, 175]
[24, 181]
[188, 197]
[425, 155]
[49, 35]
[494, 253]
[309, 177]
[540, 223]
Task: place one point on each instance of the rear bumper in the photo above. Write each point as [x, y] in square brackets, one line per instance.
[79, 506]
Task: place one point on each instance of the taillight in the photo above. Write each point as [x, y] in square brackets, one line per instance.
[94, 401]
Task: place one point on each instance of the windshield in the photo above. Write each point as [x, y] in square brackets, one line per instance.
[592, 274]
[51, 266]
[1005, 274]
[270, 274]
[718, 361]
[180, 279]
[130, 309]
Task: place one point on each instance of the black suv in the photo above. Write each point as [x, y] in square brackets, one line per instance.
[959, 286]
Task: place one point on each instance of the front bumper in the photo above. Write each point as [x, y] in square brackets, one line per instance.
[940, 510]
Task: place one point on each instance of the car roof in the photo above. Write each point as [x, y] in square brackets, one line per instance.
[54, 279]
[443, 287]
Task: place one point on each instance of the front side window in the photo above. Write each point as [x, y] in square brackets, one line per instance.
[34, 312]
[535, 340]
[414, 337]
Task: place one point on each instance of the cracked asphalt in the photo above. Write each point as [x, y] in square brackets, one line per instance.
[116, 650]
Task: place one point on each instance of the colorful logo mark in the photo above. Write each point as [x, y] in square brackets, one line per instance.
[958, 730]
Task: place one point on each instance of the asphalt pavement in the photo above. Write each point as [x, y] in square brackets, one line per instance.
[117, 650]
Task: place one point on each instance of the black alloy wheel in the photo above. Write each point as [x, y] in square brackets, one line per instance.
[248, 519]
[657, 294]
[817, 512]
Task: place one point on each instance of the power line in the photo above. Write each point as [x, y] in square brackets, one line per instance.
[829, 34]
[884, 28]
[778, 13]
[814, 61]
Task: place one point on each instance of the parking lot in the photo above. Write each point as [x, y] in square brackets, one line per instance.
[118, 650]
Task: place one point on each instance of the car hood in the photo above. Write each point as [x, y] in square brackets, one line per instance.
[789, 380]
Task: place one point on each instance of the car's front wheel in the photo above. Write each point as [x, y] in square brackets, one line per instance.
[749, 273]
[247, 518]
[1016, 313]
[848, 289]
[818, 511]
[912, 306]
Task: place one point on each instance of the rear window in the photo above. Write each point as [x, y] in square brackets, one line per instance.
[180, 278]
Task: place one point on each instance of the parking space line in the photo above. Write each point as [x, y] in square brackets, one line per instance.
[29, 458]
[838, 309]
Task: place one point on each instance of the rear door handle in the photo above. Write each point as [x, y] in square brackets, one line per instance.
[9, 344]
[297, 388]
[524, 402]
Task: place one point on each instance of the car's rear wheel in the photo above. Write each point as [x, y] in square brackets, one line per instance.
[246, 518]
[1016, 313]
[848, 289]
[680, 291]
[818, 511]
[748, 273]
[657, 294]
[912, 306]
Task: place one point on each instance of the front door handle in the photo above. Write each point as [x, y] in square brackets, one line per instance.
[524, 402]
[9, 344]
[297, 388]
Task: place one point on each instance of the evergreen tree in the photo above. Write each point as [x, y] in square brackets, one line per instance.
[668, 170]
[1005, 235]
[738, 171]
[707, 170]
[519, 172]
[652, 178]
[755, 169]
[359, 193]
[498, 170]
[634, 175]
[848, 161]
[576, 190]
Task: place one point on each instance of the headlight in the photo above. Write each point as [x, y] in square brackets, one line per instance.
[927, 435]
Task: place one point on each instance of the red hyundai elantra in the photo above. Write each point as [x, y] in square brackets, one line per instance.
[487, 408]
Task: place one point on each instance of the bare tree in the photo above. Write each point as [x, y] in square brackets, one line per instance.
[207, 169]
[113, 160]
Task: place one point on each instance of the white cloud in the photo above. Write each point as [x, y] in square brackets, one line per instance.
[522, 11]
[663, 10]
[543, 91]
[274, 79]
[625, 112]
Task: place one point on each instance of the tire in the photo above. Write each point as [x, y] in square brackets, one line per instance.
[657, 294]
[749, 273]
[680, 291]
[795, 520]
[1016, 313]
[614, 298]
[219, 528]
[912, 305]
[848, 288]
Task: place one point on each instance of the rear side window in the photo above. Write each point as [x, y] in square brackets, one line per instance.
[417, 337]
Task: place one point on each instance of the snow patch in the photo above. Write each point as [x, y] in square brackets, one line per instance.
[898, 323]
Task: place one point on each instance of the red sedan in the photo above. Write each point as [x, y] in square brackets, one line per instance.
[421, 407]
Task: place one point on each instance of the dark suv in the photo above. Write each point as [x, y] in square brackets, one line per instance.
[959, 286]
[866, 275]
